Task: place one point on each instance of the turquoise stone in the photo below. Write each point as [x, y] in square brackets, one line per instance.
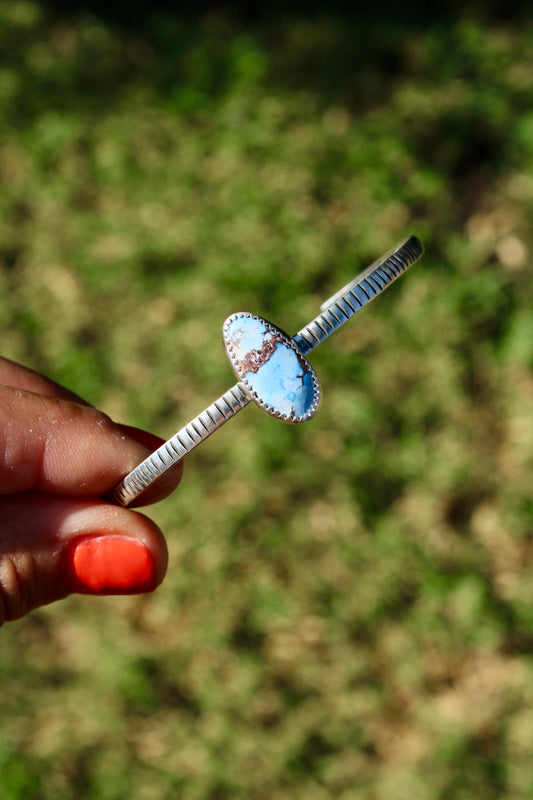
[280, 378]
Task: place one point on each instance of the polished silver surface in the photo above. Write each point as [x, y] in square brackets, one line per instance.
[342, 306]
[337, 310]
[176, 448]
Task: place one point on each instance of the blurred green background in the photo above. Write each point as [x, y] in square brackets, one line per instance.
[348, 611]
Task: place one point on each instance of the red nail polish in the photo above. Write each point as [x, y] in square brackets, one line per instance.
[111, 565]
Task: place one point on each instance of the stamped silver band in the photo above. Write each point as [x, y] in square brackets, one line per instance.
[256, 379]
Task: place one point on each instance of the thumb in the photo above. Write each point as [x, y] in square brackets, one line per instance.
[51, 546]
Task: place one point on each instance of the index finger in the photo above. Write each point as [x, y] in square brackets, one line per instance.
[59, 446]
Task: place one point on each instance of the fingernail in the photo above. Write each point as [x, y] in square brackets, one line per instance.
[111, 565]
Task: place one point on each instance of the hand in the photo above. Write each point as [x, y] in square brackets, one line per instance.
[58, 458]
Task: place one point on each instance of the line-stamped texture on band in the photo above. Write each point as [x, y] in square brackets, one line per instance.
[334, 312]
[176, 448]
[358, 293]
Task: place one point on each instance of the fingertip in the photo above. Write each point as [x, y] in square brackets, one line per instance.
[123, 553]
[108, 549]
[52, 546]
[111, 565]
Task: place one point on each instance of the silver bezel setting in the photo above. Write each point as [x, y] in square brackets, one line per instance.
[287, 340]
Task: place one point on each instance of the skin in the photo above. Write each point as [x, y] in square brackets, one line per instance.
[58, 458]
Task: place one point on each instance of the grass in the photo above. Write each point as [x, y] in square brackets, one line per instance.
[348, 608]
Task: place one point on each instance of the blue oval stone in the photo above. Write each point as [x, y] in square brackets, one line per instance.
[279, 377]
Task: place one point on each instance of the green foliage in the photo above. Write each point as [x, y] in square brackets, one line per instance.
[348, 607]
